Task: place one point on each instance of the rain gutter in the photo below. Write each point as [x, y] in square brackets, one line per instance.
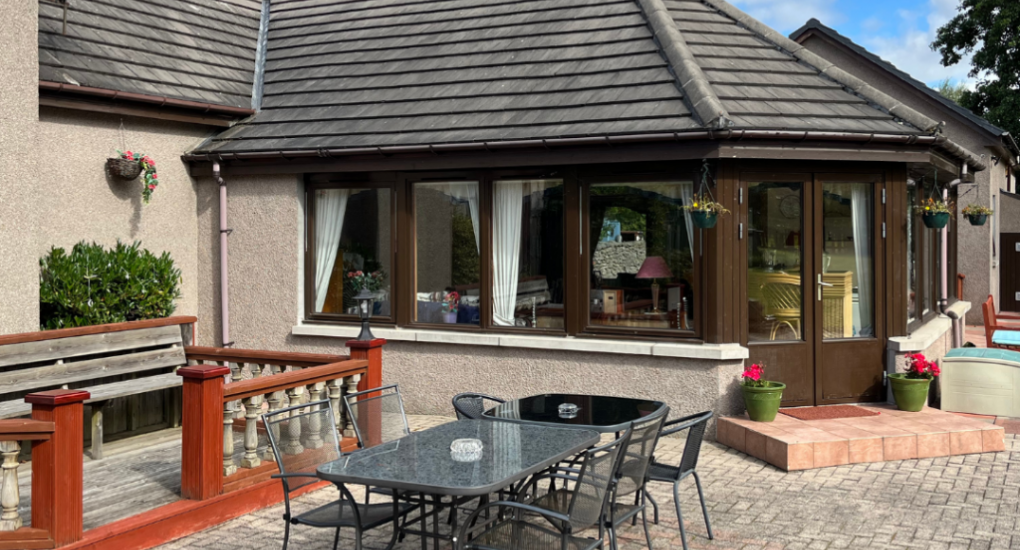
[161, 101]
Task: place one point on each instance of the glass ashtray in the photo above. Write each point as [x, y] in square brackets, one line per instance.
[466, 450]
[568, 410]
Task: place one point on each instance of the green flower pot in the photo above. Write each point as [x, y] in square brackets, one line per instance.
[911, 394]
[935, 220]
[763, 403]
[703, 219]
[977, 219]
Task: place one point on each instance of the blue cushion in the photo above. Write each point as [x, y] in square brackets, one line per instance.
[985, 353]
[1006, 337]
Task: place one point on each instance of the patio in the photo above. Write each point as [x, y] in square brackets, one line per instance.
[965, 502]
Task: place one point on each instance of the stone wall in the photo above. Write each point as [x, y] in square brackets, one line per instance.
[612, 258]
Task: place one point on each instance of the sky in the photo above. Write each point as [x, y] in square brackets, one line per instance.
[898, 31]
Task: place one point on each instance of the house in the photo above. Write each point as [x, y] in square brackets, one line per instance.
[471, 155]
[986, 254]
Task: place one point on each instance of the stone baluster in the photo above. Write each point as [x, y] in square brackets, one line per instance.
[252, 406]
[275, 402]
[313, 439]
[352, 387]
[292, 439]
[236, 375]
[335, 391]
[229, 467]
[10, 497]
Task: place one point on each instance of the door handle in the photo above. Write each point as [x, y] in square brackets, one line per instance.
[821, 283]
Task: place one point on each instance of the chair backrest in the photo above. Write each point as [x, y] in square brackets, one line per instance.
[696, 435]
[988, 309]
[782, 295]
[472, 405]
[594, 483]
[378, 415]
[302, 437]
[638, 452]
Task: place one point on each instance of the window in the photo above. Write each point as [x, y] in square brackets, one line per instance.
[642, 256]
[923, 260]
[350, 232]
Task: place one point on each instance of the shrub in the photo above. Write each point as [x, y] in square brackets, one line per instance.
[94, 286]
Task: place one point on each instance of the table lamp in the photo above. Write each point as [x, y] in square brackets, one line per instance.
[654, 267]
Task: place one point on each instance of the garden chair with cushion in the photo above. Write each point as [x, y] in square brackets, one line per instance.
[556, 520]
[1002, 330]
[315, 421]
[667, 473]
[472, 405]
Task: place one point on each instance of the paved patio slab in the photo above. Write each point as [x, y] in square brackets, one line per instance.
[792, 444]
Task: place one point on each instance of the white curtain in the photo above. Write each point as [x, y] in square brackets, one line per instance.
[467, 191]
[860, 203]
[687, 194]
[330, 206]
[507, 212]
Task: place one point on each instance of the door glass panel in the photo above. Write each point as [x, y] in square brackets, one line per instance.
[912, 247]
[775, 261]
[847, 260]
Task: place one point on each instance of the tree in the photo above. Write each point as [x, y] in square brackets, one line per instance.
[990, 29]
[950, 91]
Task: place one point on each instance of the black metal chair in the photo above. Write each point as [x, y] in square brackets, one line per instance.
[303, 437]
[633, 475]
[378, 415]
[472, 405]
[665, 473]
[555, 520]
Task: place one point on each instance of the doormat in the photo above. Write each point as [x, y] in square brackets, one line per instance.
[828, 412]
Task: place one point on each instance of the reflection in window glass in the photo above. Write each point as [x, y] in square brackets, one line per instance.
[912, 248]
[642, 252]
[775, 261]
[848, 305]
[352, 233]
[527, 253]
[446, 255]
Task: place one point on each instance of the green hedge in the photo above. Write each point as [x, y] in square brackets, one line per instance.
[93, 285]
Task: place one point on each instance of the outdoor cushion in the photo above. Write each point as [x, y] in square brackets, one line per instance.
[1006, 337]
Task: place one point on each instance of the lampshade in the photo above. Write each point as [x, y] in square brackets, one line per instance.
[654, 267]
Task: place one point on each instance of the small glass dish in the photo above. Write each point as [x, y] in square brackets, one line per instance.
[568, 410]
[466, 450]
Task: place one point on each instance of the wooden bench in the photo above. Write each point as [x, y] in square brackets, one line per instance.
[95, 359]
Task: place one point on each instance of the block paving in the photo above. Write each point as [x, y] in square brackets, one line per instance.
[939, 503]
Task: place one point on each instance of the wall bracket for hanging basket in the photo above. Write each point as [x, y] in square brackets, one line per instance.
[123, 169]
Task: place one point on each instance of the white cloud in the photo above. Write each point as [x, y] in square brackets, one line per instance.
[787, 15]
[909, 48]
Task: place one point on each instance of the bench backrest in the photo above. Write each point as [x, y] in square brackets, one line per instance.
[43, 360]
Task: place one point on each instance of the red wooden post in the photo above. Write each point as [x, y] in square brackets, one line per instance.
[372, 351]
[57, 464]
[202, 426]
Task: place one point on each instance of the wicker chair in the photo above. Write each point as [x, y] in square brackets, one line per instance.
[472, 405]
[782, 296]
[554, 521]
[666, 473]
[315, 421]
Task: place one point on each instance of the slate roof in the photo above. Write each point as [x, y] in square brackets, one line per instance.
[194, 50]
[383, 73]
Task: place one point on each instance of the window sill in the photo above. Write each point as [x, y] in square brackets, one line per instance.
[928, 333]
[711, 352]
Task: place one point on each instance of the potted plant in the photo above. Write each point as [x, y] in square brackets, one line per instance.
[761, 397]
[705, 211]
[128, 166]
[935, 213]
[450, 303]
[371, 281]
[910, 389]
[977, 214]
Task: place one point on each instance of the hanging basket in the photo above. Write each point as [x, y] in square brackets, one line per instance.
[977, 219]
[935, 220]
[704, 219]
[123, 169]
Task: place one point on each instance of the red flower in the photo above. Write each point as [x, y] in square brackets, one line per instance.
[128, 155]
[154, 176]
[152, 186]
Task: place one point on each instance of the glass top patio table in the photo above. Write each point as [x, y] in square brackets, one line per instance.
[421, 462]
[595, 412]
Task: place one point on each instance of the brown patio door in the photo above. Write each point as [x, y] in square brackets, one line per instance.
[814, 245]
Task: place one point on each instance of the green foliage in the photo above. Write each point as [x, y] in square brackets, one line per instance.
[977, 210]
[465, 252]
[950, 91]
[990, 29]
[94, 286]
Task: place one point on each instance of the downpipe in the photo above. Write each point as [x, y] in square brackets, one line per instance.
[944, 246]
[224, 257]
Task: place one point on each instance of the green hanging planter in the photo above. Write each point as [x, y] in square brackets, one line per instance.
[704, 219]
[935, 220]
[763, 403]
[911, 394]
[977, 219]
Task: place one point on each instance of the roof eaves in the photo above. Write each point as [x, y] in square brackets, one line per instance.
[699, 93]
[860, 87]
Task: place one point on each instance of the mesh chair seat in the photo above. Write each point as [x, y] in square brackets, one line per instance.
[663, 472]
[520, 535]
[334, 515]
